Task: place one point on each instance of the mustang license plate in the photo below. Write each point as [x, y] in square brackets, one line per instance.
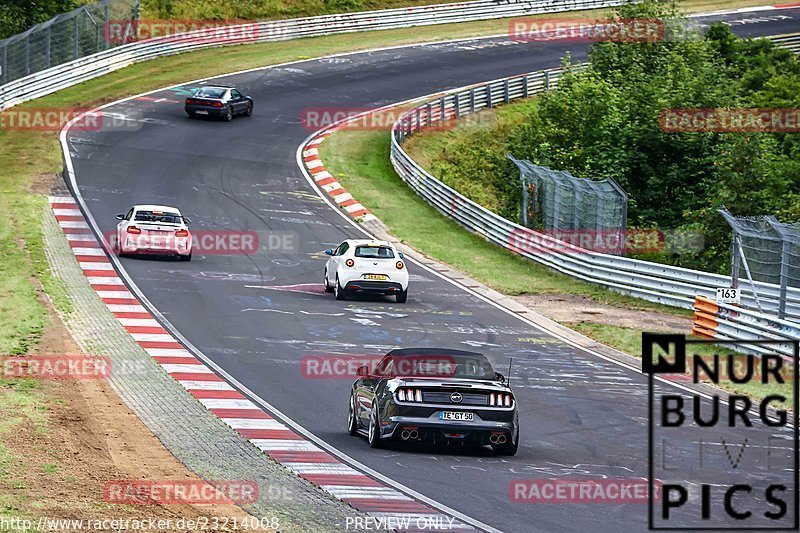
[380, 277]
[455, 415]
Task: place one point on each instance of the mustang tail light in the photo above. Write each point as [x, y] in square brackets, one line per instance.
[182, 233]
[399, 265]
[349, 262]
[134, 229]
[409, 395]
[498, 399]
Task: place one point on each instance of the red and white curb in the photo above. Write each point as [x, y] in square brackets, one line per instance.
[328, 183]
[270, 435]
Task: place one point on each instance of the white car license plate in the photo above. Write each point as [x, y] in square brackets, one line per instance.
[454, 415]
[380, 277]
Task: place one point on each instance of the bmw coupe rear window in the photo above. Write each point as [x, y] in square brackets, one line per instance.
[374, 252]
[161, 217]
[210, 93]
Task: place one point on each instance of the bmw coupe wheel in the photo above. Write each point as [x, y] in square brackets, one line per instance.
[374, 431]
[352, 420]
[229, 114]
[249, 110]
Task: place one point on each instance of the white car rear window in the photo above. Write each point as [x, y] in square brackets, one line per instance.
[375, 252]
[161, 217]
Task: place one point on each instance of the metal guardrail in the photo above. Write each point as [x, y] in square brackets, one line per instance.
[727, 322]
[654, 282]
[68, 74]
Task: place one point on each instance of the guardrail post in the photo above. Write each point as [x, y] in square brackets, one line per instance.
[444, 110]
[489, 96]
[76, 38]
[505, 92]
[429, 114]
[47, 47]
[418, 114]
[27, 54]
[105, 25]
[525, 86]
[472, 100]
[4, 66]
[457, 105]
[547, 79]
[785, 250]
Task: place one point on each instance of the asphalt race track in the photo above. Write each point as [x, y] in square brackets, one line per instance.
[258, 315]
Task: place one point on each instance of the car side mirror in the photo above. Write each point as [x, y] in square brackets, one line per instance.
[362, 371]
[187, 220]
[329, 251]
[401, 255]
[121, 216]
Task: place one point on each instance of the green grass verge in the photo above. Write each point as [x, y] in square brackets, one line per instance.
[20, 406]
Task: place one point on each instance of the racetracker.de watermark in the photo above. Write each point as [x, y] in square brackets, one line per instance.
[344, 366]
[617, 242]
[200, 31]
[80, 119]
[207, 242]
[580, 491]
[586, 30]
[167, 492]
[738, 120]
[54, 367]
[366, 119]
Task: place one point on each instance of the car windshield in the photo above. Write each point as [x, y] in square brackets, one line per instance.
[161, 217]
[442, 365]
[210, 93]
[374, 252]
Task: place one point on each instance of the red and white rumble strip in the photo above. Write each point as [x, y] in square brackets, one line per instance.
[328, 183]
[272, 436]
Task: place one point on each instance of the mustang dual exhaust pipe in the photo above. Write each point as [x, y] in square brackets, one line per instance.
[406, 434]
[495, 438]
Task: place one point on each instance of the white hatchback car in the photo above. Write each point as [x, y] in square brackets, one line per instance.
[154, 229]
[364, 266]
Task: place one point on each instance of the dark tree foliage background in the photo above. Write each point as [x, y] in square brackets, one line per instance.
[604, 122]
[17, 16]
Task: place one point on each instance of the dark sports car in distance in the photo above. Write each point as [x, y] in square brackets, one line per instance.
[221, 102]
[434, 395]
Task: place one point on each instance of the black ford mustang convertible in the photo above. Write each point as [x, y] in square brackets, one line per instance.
[434, 395]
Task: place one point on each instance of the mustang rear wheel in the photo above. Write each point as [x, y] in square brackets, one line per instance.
[373, 435]
[352, 420]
